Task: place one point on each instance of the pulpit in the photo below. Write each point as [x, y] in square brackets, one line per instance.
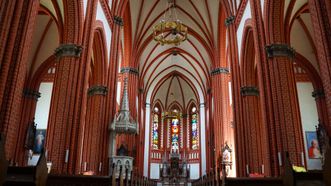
[123, 124]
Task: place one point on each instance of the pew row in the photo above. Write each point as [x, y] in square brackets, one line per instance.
[289, 178]
[30, 175]
[123, 179]
[3, 162]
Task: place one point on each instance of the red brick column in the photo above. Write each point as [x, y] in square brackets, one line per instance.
[131, 140]
[17, 20]
[110, 109]
[321, 20]
[236, 97]
[221, 111]
[91, 97]
[252, 129]
[94, 123]
[210, 154]
[133, 95]
[28, 111]
[286, 129]
[61, 140]
[284, 124]
[319, 96]
[66, 106]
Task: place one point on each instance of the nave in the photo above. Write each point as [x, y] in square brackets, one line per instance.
[200, 92]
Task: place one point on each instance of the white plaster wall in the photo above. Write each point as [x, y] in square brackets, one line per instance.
[43, 105]
[309, 118]
[102, 17]
[230, 93]
[155, 171]
[203, 138]
[194, 171]
[238, 3]
[262, 6]
[118, 92]
[240, 31]
[146, 152]
[85, 5]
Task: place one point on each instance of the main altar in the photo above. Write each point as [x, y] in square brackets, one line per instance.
[174, 170]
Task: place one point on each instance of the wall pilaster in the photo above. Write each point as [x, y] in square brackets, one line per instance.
[17, 23]
[321, 20]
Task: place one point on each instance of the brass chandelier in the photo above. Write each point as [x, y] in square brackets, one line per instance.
[170, 30]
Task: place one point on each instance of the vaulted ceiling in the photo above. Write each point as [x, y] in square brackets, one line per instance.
[195, 56]
[300, 29]
[46, 36]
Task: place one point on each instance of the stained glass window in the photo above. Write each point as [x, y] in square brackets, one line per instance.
[175, 135]
[194, 129]
[155, 130]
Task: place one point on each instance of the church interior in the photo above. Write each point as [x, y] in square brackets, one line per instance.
[165, 92]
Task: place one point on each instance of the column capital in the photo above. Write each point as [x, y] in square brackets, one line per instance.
[130, 70]
[68, 50]
[249, 91]
[229, 20]
[317, 94]
[97, 90]
[32, 94]
[279, 50]
[118, 20]
[219, 70]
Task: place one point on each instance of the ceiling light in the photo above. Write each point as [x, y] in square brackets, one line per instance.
[170, 30]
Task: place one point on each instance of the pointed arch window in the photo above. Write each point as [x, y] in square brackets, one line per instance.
[155, 128]
[194, 128]
[175, 135]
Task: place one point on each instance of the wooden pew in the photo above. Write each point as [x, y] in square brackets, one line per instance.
[327, 165]
[81, 180]
[3, 162]
[247, 181]
[31, 175]
[292, 178]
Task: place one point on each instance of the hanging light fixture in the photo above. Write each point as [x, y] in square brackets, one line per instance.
[170, 30]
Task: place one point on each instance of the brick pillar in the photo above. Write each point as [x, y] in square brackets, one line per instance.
[319, 96]
[133, 95]
[252, 127]
[61, 140]
[321, 20]
[223, 132]
[133, 76]
[30, 98]
[141, 135]
[94, 123]
[17, 20]
[112, 80]
[90, 109]
[280, 108]
[236, 97]
[285, 130]
[210, 154]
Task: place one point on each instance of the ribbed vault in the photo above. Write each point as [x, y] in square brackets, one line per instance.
[194, 58]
